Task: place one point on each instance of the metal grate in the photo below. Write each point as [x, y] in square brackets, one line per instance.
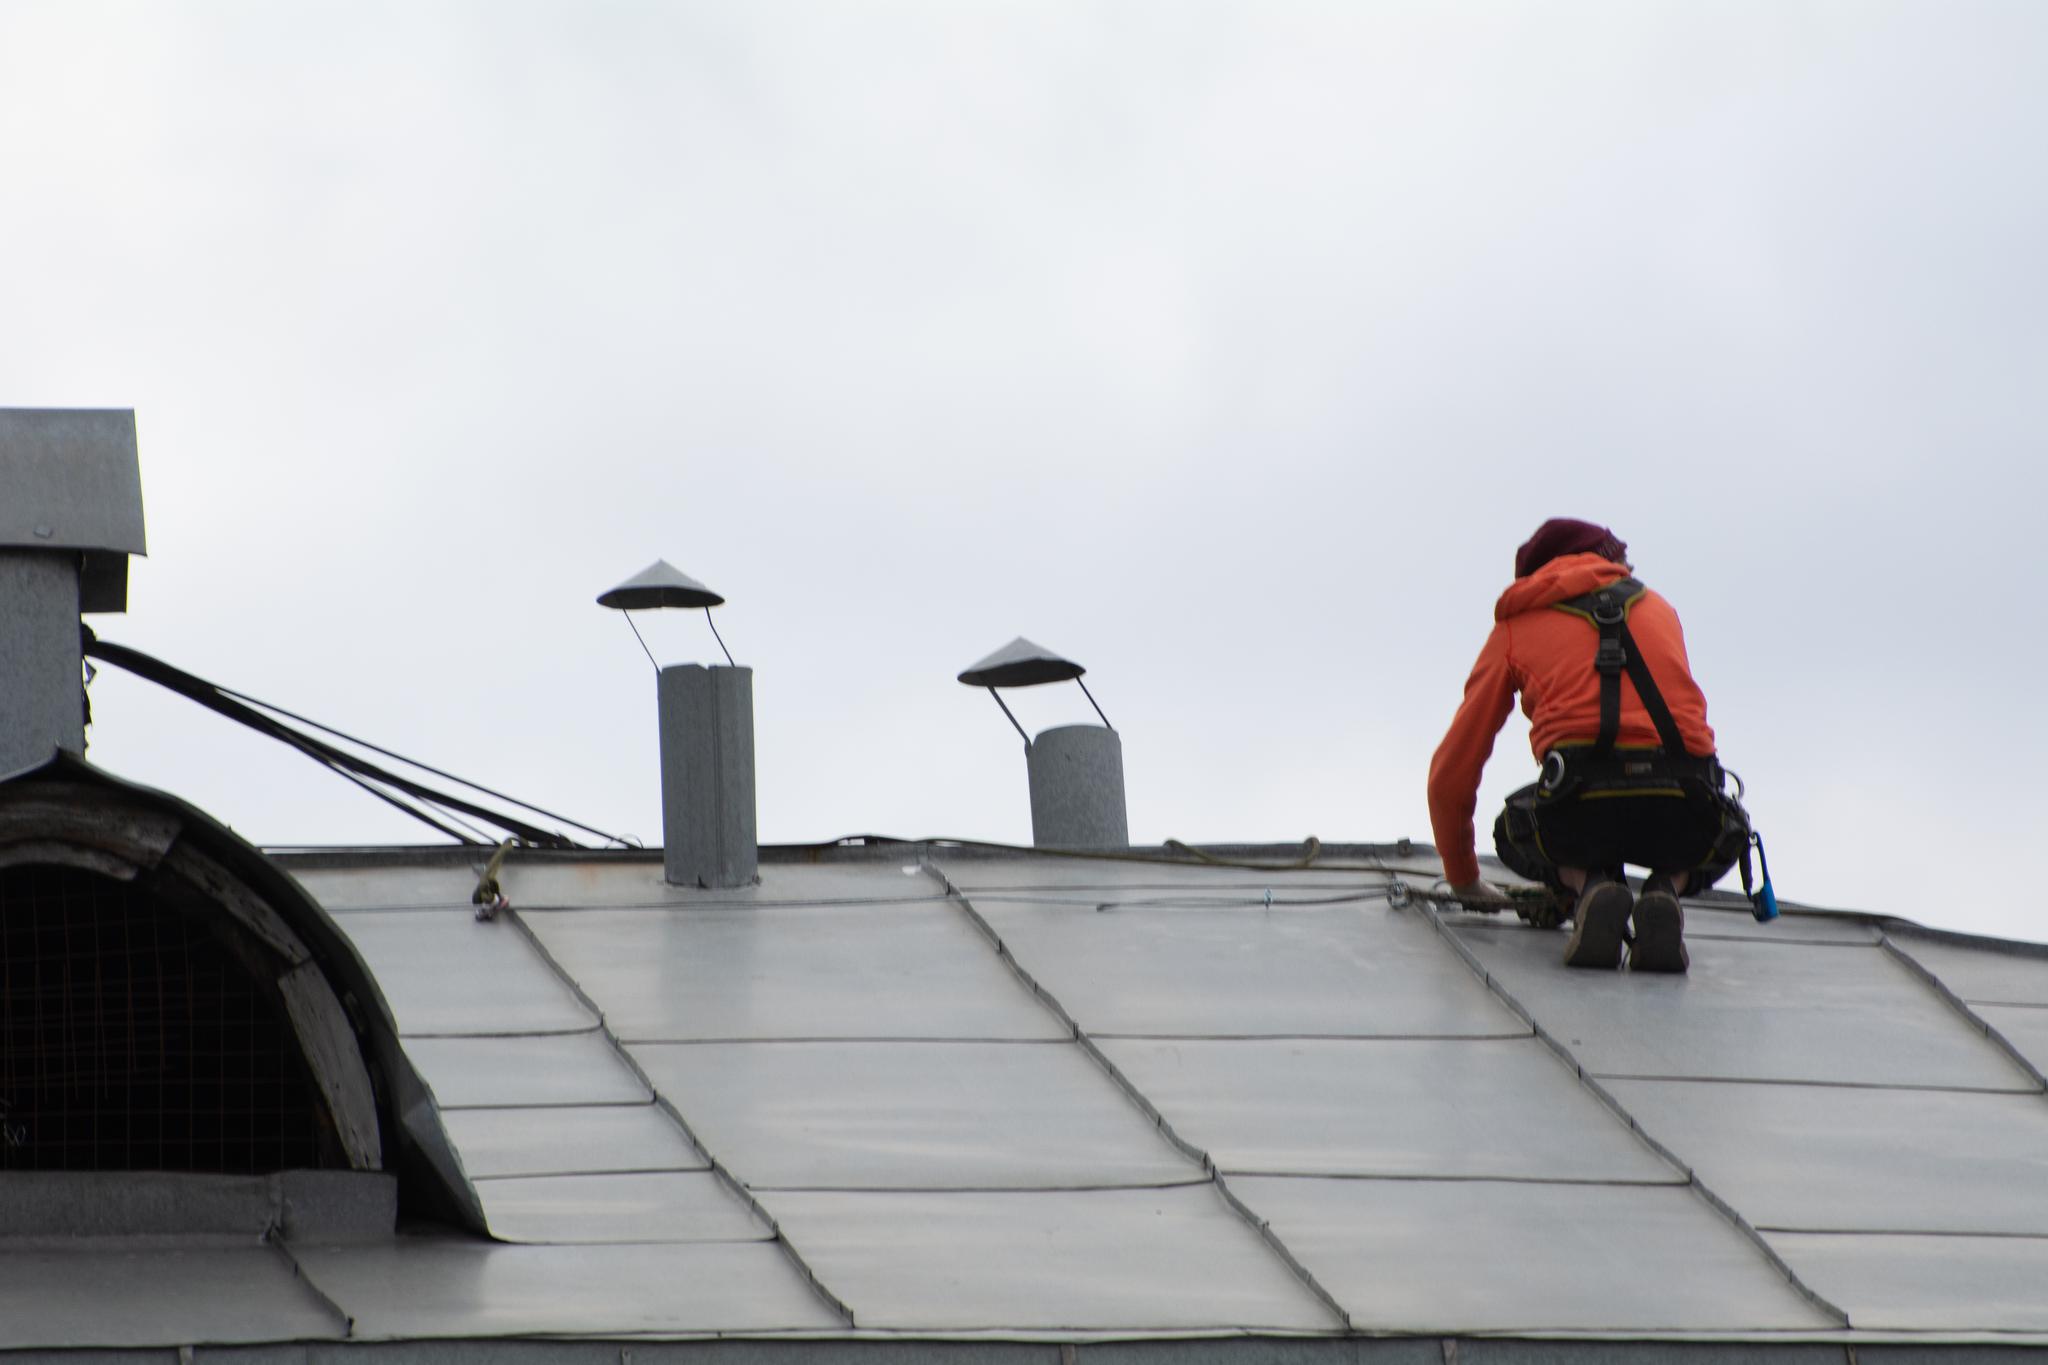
[132, 1039]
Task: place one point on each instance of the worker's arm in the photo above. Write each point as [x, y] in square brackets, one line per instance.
[1455, 770]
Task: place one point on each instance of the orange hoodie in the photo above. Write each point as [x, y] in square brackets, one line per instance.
[1547, 656]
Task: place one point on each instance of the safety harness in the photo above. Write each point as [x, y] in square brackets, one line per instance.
[1607, 608]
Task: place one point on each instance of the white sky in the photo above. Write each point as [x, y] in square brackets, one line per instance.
[1229, 349]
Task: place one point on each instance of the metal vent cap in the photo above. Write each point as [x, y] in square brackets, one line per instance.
[660, 584]
[1021, 663]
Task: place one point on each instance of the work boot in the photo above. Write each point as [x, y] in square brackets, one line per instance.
[1597, 925]
[1660, 930]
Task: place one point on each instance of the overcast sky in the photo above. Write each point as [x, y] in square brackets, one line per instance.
[1228, 349]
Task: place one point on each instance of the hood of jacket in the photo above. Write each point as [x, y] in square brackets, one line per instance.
[1560, 580]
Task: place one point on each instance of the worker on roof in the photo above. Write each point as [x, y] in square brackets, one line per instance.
[1629, 771]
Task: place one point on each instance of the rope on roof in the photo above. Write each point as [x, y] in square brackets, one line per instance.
[387, 786]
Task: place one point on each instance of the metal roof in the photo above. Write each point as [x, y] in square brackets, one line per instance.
[910, 1091]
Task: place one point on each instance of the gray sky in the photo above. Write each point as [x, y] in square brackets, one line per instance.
[1230, 349]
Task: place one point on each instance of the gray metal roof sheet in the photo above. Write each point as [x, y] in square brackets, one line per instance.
[606, 881]
[559, 1140]
[1731, 921]
[1274, 1351]
[2024, 1026]
[1355, 969]
[1058, 876]
[639, 1206]
[1147, 1260]
[1504, 1108]
[445, 972]
[982, 1175]
[430, 1287]
[1981, 975]
[1927, 1284]
[628, 882]
[105, 1294]
[444, 884]
[1843, 1159]
[565, 1068]
[876, 970]
[1425, 1255]
[912, 1115]
[1749, 1011]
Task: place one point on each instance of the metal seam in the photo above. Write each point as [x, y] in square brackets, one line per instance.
[1786, 1084]
[724, 1173]
[1925, 975]
[1615, 1107]
[1259, 1226]
[327, 1301]
[594, 1171]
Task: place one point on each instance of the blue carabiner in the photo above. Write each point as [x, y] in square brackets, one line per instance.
[1764, 902]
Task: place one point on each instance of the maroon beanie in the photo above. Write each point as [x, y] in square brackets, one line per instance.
[1564, 536]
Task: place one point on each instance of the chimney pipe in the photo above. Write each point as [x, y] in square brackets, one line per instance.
[1076, 771]
[70, 515]
[1077, 788]
[707, 743]
[707, 776]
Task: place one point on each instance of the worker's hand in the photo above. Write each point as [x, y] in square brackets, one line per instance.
[1480, 894]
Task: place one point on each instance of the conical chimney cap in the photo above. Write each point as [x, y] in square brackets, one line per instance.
[660, 584]
[1021, 663]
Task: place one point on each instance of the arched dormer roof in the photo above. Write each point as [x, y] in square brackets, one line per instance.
[74, 836]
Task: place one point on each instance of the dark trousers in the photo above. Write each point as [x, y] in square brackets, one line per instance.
[1598, 817]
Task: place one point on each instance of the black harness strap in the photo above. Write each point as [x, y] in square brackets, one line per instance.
[1607, 608]
[1653, 700]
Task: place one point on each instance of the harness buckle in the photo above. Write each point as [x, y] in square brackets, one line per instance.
[1609, 609]
[1610, 657]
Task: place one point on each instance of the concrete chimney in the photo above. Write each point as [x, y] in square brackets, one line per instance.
[1076, 771]
[70, 515]
[1077, 788]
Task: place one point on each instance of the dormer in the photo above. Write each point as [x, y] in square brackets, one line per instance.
[184, 1035]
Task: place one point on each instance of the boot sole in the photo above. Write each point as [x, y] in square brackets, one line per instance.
[1602, 916]
[1660, 935]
